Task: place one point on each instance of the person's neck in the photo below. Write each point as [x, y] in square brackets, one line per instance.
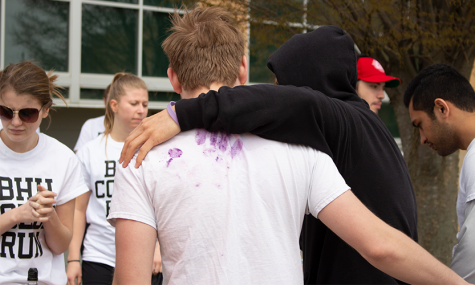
[20, 147]
[466, 129]
[119, 133]
[188, 94]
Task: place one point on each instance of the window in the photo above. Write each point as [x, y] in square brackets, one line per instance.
[154, 60]
[109, 38]
[37, 31]
[87, 41]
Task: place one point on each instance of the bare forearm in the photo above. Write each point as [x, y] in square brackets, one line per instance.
[78, 234]
[407, 261]
[8, 220]
[57, 235]
[383, 246]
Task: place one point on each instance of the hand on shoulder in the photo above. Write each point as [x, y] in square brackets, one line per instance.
[150, 132]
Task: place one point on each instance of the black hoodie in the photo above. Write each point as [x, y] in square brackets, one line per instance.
[330, 117]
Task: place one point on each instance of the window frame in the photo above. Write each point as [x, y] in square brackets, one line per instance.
[74, 79]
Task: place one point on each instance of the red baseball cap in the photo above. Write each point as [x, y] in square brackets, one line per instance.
[370, 70]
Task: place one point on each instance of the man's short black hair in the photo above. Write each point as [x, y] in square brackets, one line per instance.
[439, 81]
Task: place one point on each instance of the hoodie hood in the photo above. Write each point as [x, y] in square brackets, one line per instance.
[323, 60]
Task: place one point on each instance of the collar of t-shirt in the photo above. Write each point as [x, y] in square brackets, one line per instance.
[6, 152]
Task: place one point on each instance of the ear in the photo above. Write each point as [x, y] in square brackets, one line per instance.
[114, 105]
[243, 70]
[45, 112]
[441, 108]
[173, 77]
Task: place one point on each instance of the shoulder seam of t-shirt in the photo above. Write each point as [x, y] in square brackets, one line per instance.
[132, 216]
[74, 194]
[330, 199]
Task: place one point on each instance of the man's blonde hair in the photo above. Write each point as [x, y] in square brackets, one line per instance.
[205, 46]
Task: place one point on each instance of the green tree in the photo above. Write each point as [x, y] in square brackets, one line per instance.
[405, 37]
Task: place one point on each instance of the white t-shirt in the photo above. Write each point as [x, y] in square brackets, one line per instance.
[466, 183]
[55, 167]
[99, 171]
[91, 129]
[228, 208]
[463, 262]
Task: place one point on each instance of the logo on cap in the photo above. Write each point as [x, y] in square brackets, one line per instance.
[378, 66]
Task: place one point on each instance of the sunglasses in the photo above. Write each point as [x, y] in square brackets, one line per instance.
[27, 115]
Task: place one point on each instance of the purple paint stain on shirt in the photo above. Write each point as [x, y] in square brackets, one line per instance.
[223, 141]
[213, 138]
[236, 148]
[198, 185]
[200, 137]
[174, 153]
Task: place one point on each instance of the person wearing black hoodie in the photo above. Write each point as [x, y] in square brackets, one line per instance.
[315, 105]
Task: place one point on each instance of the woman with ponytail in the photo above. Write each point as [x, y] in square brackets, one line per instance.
[39, 180]
[127, 106]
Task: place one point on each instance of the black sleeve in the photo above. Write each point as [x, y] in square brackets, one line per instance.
[287, 114]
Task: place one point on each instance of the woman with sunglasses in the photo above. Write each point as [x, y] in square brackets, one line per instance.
[39, 180]
[126, 107]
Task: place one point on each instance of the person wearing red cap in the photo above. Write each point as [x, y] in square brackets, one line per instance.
[372, 80]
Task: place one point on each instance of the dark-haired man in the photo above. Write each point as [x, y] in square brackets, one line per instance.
[441, 104]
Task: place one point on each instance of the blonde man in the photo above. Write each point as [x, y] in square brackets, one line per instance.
[228, 209]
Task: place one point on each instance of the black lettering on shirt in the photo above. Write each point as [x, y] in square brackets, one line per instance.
[110, 168]
[4, 207]
[31, 243]
[108, 206]
[7, 244]
[20, 190]
[30, 226]
[97, 188]
[49, 184]
[6, 185]
[21, 254]
[39, 249]
[109, 188]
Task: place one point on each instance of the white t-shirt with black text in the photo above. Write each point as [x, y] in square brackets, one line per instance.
[91, 129]
[55, 167]
[228, 209]
[99, 169]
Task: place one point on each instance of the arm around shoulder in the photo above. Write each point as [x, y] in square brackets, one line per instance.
[284, 113]
[383, 246]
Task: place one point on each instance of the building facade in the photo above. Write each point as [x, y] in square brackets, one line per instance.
[86, 42]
